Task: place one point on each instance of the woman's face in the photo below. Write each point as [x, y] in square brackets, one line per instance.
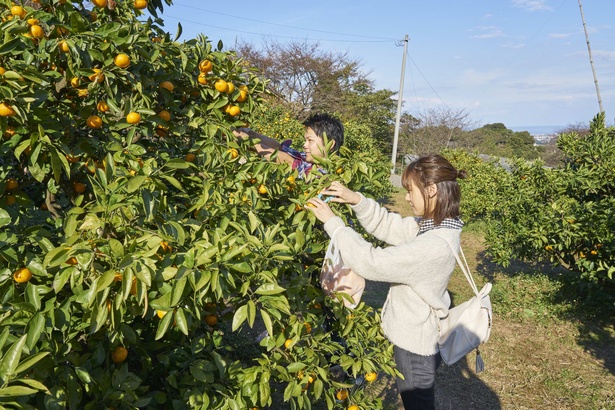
[416, 199]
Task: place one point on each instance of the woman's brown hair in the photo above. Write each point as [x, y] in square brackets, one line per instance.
[435, 169]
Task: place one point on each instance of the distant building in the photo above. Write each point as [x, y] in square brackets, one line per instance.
[544, 138]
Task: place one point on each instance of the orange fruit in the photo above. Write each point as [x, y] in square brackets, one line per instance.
[121, 60]
[308, 327]
[32, 21]
[165, 115]
[102, 106]
[548, 248]
[262, 189]
[98, 77]
[9, 132]
[288, 343]
[71, 261]
[2, 70]
[94, 121]
[233, 110]
[353, 407]
[230, 87]
[371, 376]
[243, 95]
[167, 85]
[165, 246]
[233, 152]
[18, 11]
[74, 82]
[6, 110]
[82, 92]
[341, 394]
[119, 354]
[79, 187]
[205, 66]
[22, 275]
[37, 31]
[100, 3]
[339, 170]
[190, 157]
[63, 45]
[211, 320]
[161, 313]
[11, 184]
[140, 4]
[10, 200]
[221, 86]
[202, 78]
[133, 118]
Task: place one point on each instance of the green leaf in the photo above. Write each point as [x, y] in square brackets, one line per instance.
[239, 317]
[15, 391]
[105, 280]
[267, 321]
[5, 218]
[180, 321]
[135, 183]
[163, 326]
[178, 290]
[34, 330]
[60, 279]
[10, 360]
[269, 289]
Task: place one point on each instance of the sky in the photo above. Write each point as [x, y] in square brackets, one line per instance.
[523, 63]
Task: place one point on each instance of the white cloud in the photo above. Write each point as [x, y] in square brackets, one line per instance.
[513, 46]
[486, 32]
[560, 35]
[532, 5]
[606, 55]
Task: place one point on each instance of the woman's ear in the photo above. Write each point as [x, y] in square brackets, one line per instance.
[432, 190]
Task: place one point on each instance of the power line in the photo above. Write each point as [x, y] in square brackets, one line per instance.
[382, 39]
[427, 81]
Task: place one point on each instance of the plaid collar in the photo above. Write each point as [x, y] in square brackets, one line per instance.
[427, 224]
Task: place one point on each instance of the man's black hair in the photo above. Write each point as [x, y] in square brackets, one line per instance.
[326, 124]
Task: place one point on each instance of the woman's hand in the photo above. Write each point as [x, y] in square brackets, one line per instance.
[342, 194]
[320, 208]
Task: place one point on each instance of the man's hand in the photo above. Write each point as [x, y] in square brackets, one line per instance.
[242, 133]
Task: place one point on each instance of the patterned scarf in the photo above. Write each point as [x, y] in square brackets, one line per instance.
[427, 224]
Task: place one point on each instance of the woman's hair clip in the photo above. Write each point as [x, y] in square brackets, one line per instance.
[327, 199]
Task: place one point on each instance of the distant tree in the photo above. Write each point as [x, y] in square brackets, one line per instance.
[304, 77]
[432, 130]
[497, 140]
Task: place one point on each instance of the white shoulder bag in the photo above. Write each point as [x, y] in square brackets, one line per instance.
[467, 325]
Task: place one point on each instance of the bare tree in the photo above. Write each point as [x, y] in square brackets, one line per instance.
[432, 130]
[302, 76]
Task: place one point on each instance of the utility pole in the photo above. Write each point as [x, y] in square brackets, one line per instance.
[399, 102]
[591, 61]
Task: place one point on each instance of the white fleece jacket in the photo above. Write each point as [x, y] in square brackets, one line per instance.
[417, 267]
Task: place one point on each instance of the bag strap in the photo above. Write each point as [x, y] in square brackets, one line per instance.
[465, 268]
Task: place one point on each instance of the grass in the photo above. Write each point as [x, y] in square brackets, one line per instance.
[548, 348]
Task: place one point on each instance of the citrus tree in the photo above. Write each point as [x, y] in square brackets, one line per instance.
[563, 215]
[147, 259]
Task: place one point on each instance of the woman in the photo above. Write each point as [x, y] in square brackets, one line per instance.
[418, 264]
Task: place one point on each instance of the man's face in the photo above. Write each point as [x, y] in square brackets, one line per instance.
[314, 145]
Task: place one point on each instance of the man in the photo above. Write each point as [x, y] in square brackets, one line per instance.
[316, 127]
